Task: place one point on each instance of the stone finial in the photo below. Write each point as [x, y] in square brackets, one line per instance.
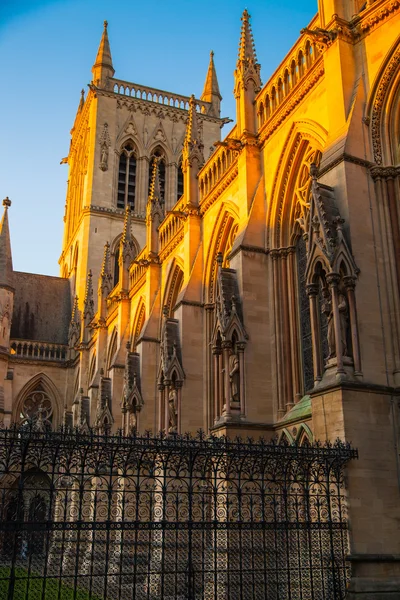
[247, 65]
[105, 23]
[7, 202]
[219, 259]
[165, 311]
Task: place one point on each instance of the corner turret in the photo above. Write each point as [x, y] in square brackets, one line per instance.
[103, 67]
[211, 91]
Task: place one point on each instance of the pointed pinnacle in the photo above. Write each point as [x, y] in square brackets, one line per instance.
[247, 49]
[211, 87]
[88, 310]
[127, 231]
[192, 130]
[75, 314]
[103, 58]
[155, 193]
[105, 267]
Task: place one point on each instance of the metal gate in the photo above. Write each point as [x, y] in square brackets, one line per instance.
[94, 517]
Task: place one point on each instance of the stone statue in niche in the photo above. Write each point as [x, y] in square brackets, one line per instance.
[234, 376]
[104, 158]
[343, 318]
[173, 410]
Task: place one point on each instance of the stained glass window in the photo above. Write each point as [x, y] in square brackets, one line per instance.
[305, 320]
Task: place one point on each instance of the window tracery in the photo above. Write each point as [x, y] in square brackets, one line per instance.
[37, 408]
[127, 177]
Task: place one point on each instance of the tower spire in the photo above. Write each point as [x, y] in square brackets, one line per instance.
[103, 67]
[211, 91]
[6, 267]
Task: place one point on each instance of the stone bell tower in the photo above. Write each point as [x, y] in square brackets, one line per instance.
[120, 129]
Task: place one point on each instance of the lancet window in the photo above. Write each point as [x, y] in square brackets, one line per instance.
[127, 177]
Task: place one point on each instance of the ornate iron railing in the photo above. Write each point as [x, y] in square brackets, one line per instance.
[140, 517]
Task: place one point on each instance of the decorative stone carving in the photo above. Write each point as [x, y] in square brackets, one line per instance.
[105, 143]
[173, 410]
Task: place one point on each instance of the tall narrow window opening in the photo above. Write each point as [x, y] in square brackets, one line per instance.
[127, 177]
[305, 320]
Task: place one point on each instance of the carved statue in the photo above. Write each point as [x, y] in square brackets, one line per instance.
[234, 376]
[104, 158]
[173, 410]
[327, 309]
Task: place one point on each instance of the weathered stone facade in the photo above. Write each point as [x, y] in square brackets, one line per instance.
[246, 286]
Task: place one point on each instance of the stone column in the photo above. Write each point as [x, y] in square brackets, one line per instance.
[242, 396]
[216, 363]
[227, 386]
[278, 334]
[355, 341]
[312, 292]
[294, 326]
[166, 404]
[178, 386]
[161, 403]
[286, 345]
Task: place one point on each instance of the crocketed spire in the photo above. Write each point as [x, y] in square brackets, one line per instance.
[88, 305]
[247, 65]
[103, 66]
[192, 137]
[247, 50]
[105, 279]
[6, 267]
[155, 192]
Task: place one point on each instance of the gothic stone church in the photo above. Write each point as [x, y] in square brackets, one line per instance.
[244, 286]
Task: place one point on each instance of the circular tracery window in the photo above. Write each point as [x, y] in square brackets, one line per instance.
[37, 405]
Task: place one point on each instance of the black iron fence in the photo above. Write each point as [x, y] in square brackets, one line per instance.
[94, 517]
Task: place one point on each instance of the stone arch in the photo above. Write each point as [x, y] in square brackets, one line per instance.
[139, 322]
[227, 219]
[383, 109]
[40, 383]
[173, 287]
[304, 137]
[112, 348]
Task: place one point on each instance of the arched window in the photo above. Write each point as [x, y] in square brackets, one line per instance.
[127, 177]
[180, 181]
[158, 154]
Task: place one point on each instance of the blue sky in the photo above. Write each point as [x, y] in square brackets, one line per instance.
[47, 51]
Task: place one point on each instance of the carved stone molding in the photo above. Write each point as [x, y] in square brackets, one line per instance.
[378, 104]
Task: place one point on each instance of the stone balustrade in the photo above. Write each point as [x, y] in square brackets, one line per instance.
[290, 73]
[138, 268]
[217, 165]
[143, 92]
[172, 224]
[29, 349]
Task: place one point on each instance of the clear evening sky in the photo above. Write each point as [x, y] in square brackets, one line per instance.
[47, 49]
